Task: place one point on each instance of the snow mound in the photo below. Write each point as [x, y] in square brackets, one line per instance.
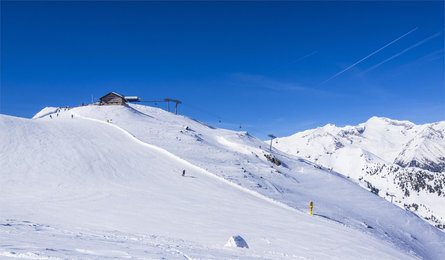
[237, 241]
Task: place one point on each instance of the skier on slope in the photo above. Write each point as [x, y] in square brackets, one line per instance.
[183, 172]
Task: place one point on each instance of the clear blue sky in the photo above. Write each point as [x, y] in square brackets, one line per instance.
[269, 67]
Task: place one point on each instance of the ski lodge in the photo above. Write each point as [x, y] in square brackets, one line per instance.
[116, 99]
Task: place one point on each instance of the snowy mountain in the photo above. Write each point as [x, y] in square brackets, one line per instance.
[398, 160]
[105, 182]
[426, 150]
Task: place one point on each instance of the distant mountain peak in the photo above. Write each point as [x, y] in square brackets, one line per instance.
[387, 121]
[384, 154]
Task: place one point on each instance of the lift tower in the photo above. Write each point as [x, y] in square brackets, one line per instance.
[176, 105]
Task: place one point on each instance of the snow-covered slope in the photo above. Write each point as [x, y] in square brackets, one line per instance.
[426, 150]
[105, 182]
[401, 161]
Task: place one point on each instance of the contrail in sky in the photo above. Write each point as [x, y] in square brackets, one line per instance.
[295, 61]
[405, 50]
[353, 65]
[303, 57]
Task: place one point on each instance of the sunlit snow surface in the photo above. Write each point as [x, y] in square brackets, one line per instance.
[81, 187]
[401, 161]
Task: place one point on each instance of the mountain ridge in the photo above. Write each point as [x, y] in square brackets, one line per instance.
[411, 156]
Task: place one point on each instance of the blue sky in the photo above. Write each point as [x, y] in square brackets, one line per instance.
[269, 67]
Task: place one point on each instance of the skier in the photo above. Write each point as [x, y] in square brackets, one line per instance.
[50, 116]
[71, 116]
[183, 172]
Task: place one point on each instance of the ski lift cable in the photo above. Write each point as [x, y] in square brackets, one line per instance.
[214, 116]
[205, 111]
[219, 118]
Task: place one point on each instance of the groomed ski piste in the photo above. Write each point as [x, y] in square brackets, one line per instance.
[105, 182]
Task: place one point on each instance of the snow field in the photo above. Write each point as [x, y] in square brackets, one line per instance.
[125, 177]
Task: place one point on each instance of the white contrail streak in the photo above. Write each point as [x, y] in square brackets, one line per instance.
[405, 50]
[351, 66]
[302, 58]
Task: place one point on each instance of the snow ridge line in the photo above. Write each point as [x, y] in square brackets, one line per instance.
[189, 164]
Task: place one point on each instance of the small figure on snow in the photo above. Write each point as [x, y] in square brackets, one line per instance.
[72, 116]
[183, 172]
[50, 116]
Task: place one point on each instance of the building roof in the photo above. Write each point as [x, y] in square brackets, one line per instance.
[113, 93]
[131, 98]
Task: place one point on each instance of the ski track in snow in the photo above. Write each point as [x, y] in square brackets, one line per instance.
[206, 172]
[203, 171]
[173, 156]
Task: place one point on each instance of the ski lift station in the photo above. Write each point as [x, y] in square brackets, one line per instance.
[113, 98]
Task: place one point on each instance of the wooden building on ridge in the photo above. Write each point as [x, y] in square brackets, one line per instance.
[112, 99]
